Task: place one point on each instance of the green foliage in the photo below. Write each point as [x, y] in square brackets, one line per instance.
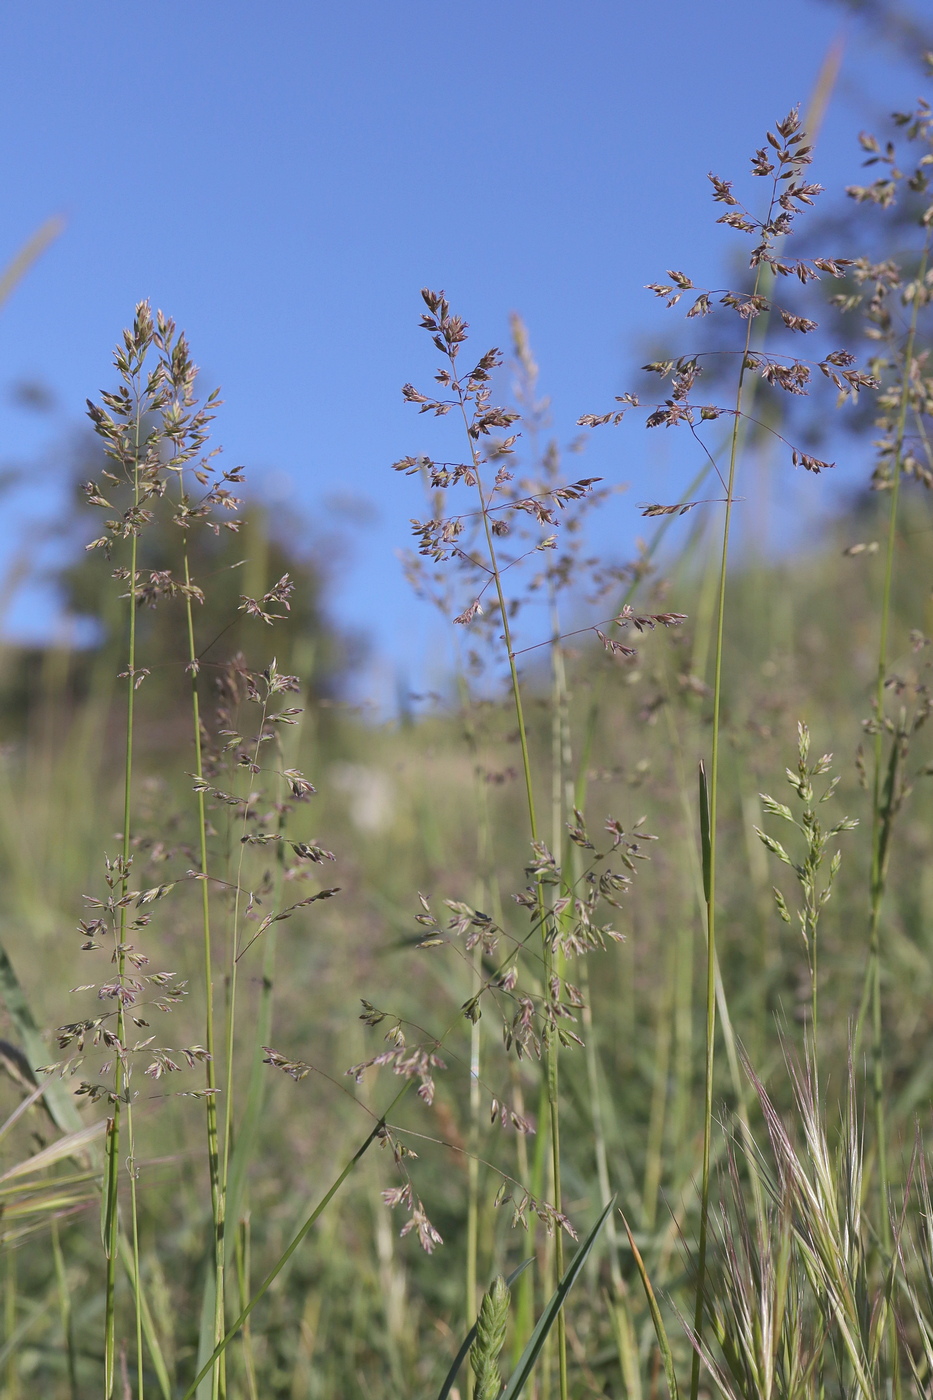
[224, 567]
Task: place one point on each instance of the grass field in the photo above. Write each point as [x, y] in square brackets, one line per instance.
[318, 1028]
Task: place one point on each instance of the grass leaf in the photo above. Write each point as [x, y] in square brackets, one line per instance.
[529, 1357]
[705, 840]
[660, 1331]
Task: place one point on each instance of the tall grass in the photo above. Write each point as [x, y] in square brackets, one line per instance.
[561, 1065]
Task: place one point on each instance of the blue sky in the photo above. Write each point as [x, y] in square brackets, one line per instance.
[282, 179]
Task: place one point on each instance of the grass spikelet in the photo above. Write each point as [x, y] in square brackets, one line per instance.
[490, 1339]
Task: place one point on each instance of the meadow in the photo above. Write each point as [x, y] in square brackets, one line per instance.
[576, 1024]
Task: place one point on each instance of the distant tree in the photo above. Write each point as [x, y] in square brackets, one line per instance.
[224, 566]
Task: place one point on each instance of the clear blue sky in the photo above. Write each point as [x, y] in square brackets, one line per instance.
[283, 178]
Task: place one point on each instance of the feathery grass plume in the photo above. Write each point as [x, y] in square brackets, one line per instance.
[123, 420]
[803, 1297]
[153, 429]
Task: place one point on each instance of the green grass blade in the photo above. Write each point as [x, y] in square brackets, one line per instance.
[471, 1337]
[57, 1097]
[660, 1331]
[64, 1307]
[705, 839]
[204, 1383]
[283, 1259]
[9, 1347]
[529, 1357]
[152, 1340]
[72, 1145]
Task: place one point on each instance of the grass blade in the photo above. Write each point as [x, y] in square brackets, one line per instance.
[69, 1146]
[57, 1097]
[152, 1340]
[529, 1356]
[705, 840]
[660, 1331]
[283, 1259]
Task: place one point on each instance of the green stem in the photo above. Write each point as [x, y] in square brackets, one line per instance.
[243, 1275]
[64, 1307]
[487, 894]
[213, 1156]
[473, 1168]
[137, 1277]
[814, 970]
[551, 1049]
[711, 882]
[878, 844]
[121, 1074]
[230, 1044]
[273, 1274]
[591, 1052]
[9, 1319]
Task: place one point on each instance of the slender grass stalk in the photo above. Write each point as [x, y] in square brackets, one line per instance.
[137, 1274]
[243, 1238]
[710, 857]
[484, 847]
[565, 853]
[590, 1040]
[664, 1346]
[64, 1308]
[525, 1297]
[295, 1242]
[551, 1047]
[10, 1298]
[654, 1147]
[472, 1242]
[542, 1185]
[230, 1043]
[710, 864]
[255, 1095]
[882, 808]
[569, 792]
[213, 1154]
[149, 1330]
[591, 1056]
[122, 1092]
